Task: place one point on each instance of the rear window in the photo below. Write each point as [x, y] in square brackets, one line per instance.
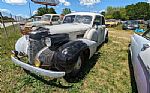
[55, 18]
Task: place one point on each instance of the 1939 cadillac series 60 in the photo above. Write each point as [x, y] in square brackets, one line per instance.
[60, 50]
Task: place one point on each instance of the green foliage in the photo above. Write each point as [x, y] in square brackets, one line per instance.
[103, 13]
[66, 11]
[116, 15]
[138, 11]
[42, 10]
[132, 12]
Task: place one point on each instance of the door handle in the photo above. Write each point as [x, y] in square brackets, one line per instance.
[145, 46]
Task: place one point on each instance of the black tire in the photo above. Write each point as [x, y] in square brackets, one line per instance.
[106, 38]
[131, 69]
[77, 68]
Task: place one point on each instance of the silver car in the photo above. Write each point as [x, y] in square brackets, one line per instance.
[140, 57]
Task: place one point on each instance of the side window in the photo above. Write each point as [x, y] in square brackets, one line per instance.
[55, 18]
[103, 21]
[147, 35]
[97, 20]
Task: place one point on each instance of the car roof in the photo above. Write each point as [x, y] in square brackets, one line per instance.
[37, 16]
[84, 13]
[51, 14]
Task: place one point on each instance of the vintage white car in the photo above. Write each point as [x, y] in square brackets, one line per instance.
[46, 19]
[60, 50]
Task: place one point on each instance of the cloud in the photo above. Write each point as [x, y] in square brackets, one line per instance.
[102, 11]
[5, 10]
[16, 2]
[65, 3]
[34, 12]
[148, 1]
[89, 2]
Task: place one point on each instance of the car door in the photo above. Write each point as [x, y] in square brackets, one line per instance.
[99, 28]
[140, 74]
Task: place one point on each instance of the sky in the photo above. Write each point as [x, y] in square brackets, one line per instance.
[21, 7]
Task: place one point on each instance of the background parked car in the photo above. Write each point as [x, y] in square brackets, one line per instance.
[140, 57]
[112, 22]
[130, 24]
[46, 19]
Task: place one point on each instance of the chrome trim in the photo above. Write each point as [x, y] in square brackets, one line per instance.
[49, 73]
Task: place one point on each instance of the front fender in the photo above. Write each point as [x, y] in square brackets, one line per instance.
[67, 55]
[22, 45]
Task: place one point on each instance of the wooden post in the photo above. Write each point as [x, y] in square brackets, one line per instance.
[3, 25]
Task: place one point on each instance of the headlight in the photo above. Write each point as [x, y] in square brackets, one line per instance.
[48, 41]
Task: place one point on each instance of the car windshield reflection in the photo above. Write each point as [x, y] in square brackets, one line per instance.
[46, 17]
[85, 19]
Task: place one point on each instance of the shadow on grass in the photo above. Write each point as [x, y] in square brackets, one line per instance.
[133, 82]
[86, 69]
[53, 82]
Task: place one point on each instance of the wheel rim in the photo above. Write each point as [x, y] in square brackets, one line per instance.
[78, 64]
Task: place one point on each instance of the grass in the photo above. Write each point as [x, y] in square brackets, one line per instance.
[106, 72]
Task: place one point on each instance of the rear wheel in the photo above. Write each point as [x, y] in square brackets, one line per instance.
[106, 38]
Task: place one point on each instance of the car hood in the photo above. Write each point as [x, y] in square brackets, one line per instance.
[67, 28]
[37, 23]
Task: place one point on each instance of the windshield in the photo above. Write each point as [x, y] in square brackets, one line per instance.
[46, 17]
[83, 19]
[86, 19]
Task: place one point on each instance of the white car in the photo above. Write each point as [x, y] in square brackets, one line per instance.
[140, 57]
[62, 49]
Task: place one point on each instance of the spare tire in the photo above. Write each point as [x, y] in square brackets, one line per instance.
[67, 56]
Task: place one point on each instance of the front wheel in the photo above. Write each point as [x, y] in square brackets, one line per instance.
[77, 68]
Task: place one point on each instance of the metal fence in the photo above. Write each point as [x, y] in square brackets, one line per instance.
[9, 32]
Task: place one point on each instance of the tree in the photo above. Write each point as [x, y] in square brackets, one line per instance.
[66, 11]
[42, 10]
[52, 11]
[116, 15]
[103, 13]
[138, 11]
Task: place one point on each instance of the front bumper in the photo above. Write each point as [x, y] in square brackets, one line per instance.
[36, 70]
